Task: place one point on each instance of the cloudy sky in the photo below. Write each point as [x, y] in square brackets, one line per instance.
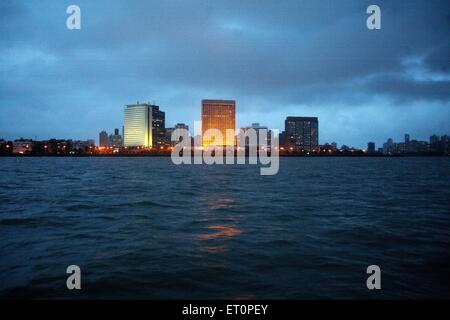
[275, 58]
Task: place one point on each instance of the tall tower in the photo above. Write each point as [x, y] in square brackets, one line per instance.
[137, 125]
[103, 139]
[302, 132]
[144, 125]
[220, 115]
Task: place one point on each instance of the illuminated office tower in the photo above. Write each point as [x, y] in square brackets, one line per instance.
[144, 125]
[220, 115]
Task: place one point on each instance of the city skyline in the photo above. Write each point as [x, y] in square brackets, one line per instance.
[157, 134]
[275, 60]
[145, 129]
[224, 158]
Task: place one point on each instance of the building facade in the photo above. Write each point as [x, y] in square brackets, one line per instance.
[220, 115]
[302, 133]
[169, 132]
[103, 139]
[257, 129]
[144, 126]
[115, 140]
[22, 146]
[158, 123]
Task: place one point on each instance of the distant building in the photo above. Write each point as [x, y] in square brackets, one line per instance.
[158, 128]
[144, 126]
[371, 147]
[22, 146]
[409, 146]
[182, 126]
[82, 145]
[326, 148]
[388, 146]
[334, 146]
[56, 146]
[115, 140]
[407, 139]
[434, 139]
[418, 146]
[302, 133]
[257, 128]
[439, 145]
[170, 130]
[219, 115]
[103, 139]
[282, 139]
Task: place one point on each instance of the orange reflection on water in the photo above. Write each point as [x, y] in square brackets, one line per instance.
[220, 203]
[219, 232]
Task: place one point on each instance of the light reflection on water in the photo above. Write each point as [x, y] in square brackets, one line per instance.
[214, 236]
[216, 203]
[144, 228]
[219, 232]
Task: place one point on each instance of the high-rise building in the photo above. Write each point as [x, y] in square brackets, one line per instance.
[407, 139]
[302, 133]
[182, 126]
[169, 132]
[220, 115]
[257, 128]
[103, 139]
[22, 146]
[158, 127]
[144, 126]
[371, 147]
[115, 140]
[434, 139]
[388, 146]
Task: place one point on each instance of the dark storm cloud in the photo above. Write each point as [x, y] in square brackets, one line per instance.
[274, 57]
[439, 58]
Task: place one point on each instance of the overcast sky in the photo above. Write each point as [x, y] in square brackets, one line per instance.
[275, 58]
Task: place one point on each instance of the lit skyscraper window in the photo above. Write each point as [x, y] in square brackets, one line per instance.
[220, 115]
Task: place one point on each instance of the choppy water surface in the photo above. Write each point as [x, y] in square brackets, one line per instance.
[145, 228]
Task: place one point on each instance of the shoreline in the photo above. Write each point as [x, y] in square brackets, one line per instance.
[168, 155]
